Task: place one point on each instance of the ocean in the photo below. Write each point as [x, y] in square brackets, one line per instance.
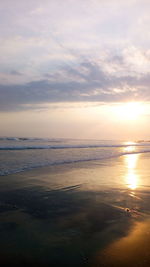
[66, 202]
[20, 154]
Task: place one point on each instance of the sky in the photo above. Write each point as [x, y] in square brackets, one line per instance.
[75, 68]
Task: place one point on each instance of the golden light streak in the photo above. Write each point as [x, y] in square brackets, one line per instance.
[129, 250]
[131, 176]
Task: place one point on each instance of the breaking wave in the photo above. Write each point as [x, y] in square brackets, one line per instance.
[26, 147]
[61, 162]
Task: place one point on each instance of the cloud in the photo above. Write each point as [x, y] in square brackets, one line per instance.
[88, 83]
[14, 72]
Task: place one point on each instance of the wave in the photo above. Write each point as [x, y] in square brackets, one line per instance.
[34, 166]
[28, 139]
[58, 139]
[27, 147]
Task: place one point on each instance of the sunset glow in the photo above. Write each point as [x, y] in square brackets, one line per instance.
[129, 111]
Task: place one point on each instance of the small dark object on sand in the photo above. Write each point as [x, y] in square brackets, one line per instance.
[128, 211]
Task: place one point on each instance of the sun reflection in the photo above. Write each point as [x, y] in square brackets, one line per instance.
[131, 177]
[129, 149]
[132, 180]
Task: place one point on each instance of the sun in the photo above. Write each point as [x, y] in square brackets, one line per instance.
[129, 111]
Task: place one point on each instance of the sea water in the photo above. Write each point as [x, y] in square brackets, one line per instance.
[20, 154]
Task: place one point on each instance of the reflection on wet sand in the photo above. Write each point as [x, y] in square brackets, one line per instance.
[63, 216]
[132, 250]
[132, 178]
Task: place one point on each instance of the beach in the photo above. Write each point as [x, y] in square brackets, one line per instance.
[91, 213]
[75, 133]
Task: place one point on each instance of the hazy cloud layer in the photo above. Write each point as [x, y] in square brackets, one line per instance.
[87, 83]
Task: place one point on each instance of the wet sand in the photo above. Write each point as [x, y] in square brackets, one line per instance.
[82, 214]
[131, 250]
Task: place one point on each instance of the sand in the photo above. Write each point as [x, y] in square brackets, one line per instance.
[82, 214]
